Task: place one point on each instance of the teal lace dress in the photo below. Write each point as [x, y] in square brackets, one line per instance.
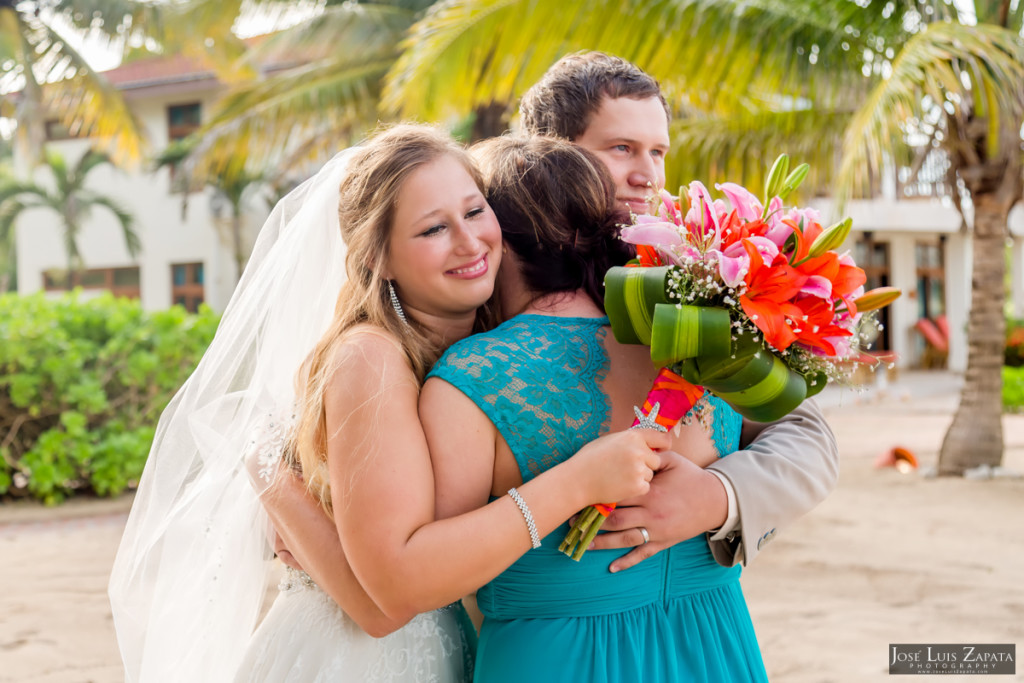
[678, 616]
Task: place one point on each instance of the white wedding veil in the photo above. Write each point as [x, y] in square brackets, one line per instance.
[191, 572]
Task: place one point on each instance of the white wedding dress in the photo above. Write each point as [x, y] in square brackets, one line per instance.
[307, 638]
[190, 575]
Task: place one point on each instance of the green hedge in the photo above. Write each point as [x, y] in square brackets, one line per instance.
[82, 384]
[1013, 389]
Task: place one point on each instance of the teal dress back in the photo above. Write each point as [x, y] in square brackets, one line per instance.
[678, 616]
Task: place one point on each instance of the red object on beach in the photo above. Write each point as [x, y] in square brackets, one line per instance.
[898, 457]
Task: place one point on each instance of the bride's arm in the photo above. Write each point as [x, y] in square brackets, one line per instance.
[383, 486]
[312, 538]
[383, 495]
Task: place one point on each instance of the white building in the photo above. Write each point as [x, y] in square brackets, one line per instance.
[914, 239]
[185, 259]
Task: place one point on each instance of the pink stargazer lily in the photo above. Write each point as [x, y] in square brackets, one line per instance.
[778, 230]
[656, 233]
[702, 215]
[747, 206]
[818, 286]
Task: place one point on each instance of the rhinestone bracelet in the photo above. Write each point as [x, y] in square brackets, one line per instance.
[530, 526]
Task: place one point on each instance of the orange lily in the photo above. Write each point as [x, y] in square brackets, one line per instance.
[812, 323]
[769, 288]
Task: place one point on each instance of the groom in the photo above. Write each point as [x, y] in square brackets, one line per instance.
[615, 110]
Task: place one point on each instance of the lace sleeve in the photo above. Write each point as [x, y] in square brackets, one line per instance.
[538, 380]
[270, 444]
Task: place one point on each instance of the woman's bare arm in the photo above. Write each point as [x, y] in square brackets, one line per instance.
[312, 537]
[383, 493]
[383, 485]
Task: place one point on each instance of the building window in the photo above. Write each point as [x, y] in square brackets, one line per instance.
[55, 130]
[873, 258]
[187, 285]
[931, 280]
[182, 120]
[122, 282]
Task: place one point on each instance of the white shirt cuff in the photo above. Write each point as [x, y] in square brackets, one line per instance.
[732, 519]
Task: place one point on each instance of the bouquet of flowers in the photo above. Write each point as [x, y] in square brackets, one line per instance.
[745, 299]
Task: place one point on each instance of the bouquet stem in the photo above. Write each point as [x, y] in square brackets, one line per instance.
[677, 397]
[584, 530]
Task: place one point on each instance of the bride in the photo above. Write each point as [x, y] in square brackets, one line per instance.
[320, 364]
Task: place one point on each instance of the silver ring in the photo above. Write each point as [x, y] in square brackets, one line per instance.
[643, 532]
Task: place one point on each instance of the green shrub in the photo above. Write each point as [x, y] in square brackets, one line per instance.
[1013, 389]
[82, 384]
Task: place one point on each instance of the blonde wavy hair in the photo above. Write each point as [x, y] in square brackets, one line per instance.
[368, 197]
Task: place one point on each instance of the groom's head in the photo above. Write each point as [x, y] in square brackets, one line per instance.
[610, 107]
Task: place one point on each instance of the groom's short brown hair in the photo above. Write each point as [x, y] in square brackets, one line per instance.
[563, 101]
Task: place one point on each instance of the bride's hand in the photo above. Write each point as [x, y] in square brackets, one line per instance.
[283, 554]
[621, 465]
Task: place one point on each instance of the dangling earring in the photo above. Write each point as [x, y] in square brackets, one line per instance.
[396, 304]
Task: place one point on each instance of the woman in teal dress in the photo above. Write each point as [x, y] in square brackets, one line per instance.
[530, 393]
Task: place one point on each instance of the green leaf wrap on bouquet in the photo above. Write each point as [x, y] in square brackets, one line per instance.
[689, 332]
[698, 342]
[630, 297]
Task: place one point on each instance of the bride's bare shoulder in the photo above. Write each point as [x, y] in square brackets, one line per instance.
[368, 350]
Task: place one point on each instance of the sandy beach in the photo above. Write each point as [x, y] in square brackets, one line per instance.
[887, 558]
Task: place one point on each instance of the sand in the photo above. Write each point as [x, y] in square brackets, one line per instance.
[887, 558]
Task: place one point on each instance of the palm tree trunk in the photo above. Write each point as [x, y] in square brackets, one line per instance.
[489, 121]
[976, 434]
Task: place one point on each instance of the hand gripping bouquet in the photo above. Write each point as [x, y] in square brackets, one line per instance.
[747, 300]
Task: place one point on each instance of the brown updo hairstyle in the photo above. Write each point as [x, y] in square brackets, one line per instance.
[555, 202]
[369, 194]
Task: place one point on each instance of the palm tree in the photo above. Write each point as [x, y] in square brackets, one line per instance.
[43, 77]
[8, 264]
[822, 78]
[69, 198]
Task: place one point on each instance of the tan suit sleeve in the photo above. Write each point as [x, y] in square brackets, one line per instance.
[787, 468]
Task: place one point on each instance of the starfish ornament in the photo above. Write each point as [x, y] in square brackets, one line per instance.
[648, 421]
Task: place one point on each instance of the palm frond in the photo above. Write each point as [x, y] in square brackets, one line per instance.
[124, 219]
[88, 161]
[375, 28]
[740, 148]
[59, 170]
[270, 118]
[218, 48]
[9, 212]
[11, 189]
[330, 90]
[947, 65]
[466, 53]
[114, 19]
[86, 103]
[27, 110]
